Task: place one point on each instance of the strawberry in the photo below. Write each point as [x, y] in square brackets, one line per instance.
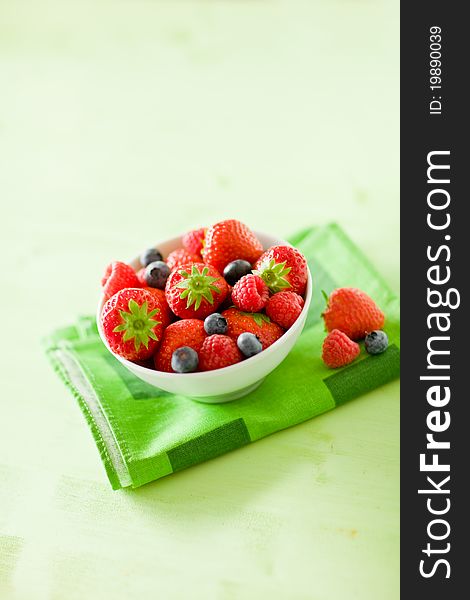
[339, 350]
[230, 240]
[165, 314]
[250, 293]
[118, 276]
[256, 323]
[194, 291]
[188, 332]
[353, 312]
[284, 308]
[181, 257]
[131, 323]
[283, 268]
[193, 241]
[218, 351]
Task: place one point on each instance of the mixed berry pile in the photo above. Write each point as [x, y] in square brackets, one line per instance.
[351, 315]
[217, 300]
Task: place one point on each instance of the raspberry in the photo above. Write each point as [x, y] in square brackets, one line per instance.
[250, 293]
[284, 308]
[218, 351]
[118, 276]
[353, 312]
[339, 350]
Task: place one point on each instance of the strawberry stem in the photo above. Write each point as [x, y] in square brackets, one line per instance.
[138, 324]
[196, 286]
[274, 275]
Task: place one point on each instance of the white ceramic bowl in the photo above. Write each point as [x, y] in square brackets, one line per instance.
[229, 383]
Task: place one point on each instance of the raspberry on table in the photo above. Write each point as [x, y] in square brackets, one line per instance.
[339, 350]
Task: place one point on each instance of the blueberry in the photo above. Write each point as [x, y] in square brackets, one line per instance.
[249, 344]
[235, 271]
[215, 323]
[184, 360]
[149, 256]
[156, 274]
[376, 342]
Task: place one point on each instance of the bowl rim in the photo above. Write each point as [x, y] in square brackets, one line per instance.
[215, 372]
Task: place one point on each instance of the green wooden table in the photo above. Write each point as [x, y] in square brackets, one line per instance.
[126, 122]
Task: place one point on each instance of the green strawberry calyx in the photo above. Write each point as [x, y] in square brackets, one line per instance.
[197, 285]
[259, 318]
[138, 324]
[274, 275]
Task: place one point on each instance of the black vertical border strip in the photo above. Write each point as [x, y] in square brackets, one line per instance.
[420, 134]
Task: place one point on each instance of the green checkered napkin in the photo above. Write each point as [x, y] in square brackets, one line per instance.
[143, 433]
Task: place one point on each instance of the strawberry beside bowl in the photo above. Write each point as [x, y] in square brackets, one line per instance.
[229, 383]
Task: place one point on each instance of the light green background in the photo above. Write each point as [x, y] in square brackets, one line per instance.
[129, 121]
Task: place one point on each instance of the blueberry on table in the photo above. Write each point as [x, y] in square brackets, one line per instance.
[215, 323]
[249, 344]
[235, 270]
[376, 342]
[184, 360]
[156, 274]
[149, 256]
